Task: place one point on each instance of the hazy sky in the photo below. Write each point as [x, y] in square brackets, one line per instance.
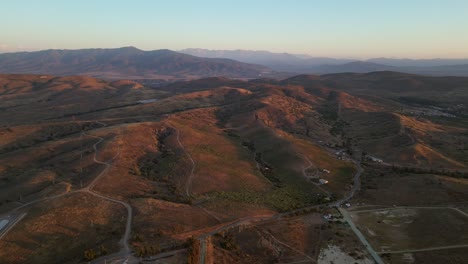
[335, 28]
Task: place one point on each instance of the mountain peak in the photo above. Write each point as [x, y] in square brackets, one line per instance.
[125, 62]
[129, 48]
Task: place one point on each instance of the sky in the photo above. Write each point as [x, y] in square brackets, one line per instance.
[333, 28]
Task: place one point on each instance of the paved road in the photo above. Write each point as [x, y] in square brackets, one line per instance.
[361, 237]
[203, 250]
[10, 224]
[3, 223]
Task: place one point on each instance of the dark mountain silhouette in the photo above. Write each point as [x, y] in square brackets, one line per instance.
[127, 62]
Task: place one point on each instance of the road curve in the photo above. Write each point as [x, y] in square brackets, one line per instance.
[125, 247]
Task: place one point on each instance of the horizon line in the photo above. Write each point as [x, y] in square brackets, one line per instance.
[20, 50]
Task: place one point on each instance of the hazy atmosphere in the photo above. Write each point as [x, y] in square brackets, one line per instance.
[346, 29]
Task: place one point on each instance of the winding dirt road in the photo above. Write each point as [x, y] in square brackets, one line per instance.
[124, 255]
[188, 186]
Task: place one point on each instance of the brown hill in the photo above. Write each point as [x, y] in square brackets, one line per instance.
[197, 156]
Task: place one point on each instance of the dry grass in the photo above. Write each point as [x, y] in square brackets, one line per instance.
[60, 231]
[130, 143]
[9, 135]
[159, 221]
[33, 171]
[294, 239]
[229, 209]
[221, 163]
[452, 256]
[401, 229]
[381, 186]
[341, 172]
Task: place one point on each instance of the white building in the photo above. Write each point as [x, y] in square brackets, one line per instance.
[323, 181]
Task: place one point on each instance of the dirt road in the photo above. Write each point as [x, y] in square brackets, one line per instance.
[423, 249]
[125, 252]
[188, 186]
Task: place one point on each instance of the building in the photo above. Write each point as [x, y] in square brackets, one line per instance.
[323, 181]
[374, 159]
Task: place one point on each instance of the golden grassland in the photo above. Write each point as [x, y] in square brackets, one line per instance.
[62, 229]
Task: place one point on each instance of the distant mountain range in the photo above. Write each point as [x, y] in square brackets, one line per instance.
[127, 62]
[277, 61]
[132, 63]
[299, 63]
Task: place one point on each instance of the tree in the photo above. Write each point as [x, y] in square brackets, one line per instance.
[103, 250]
[90, 254]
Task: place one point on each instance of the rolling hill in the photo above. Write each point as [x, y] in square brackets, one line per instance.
[127, 171]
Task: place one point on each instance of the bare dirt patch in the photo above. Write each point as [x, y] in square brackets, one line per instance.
[452, 256]
[406, 229]
[333, 254]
